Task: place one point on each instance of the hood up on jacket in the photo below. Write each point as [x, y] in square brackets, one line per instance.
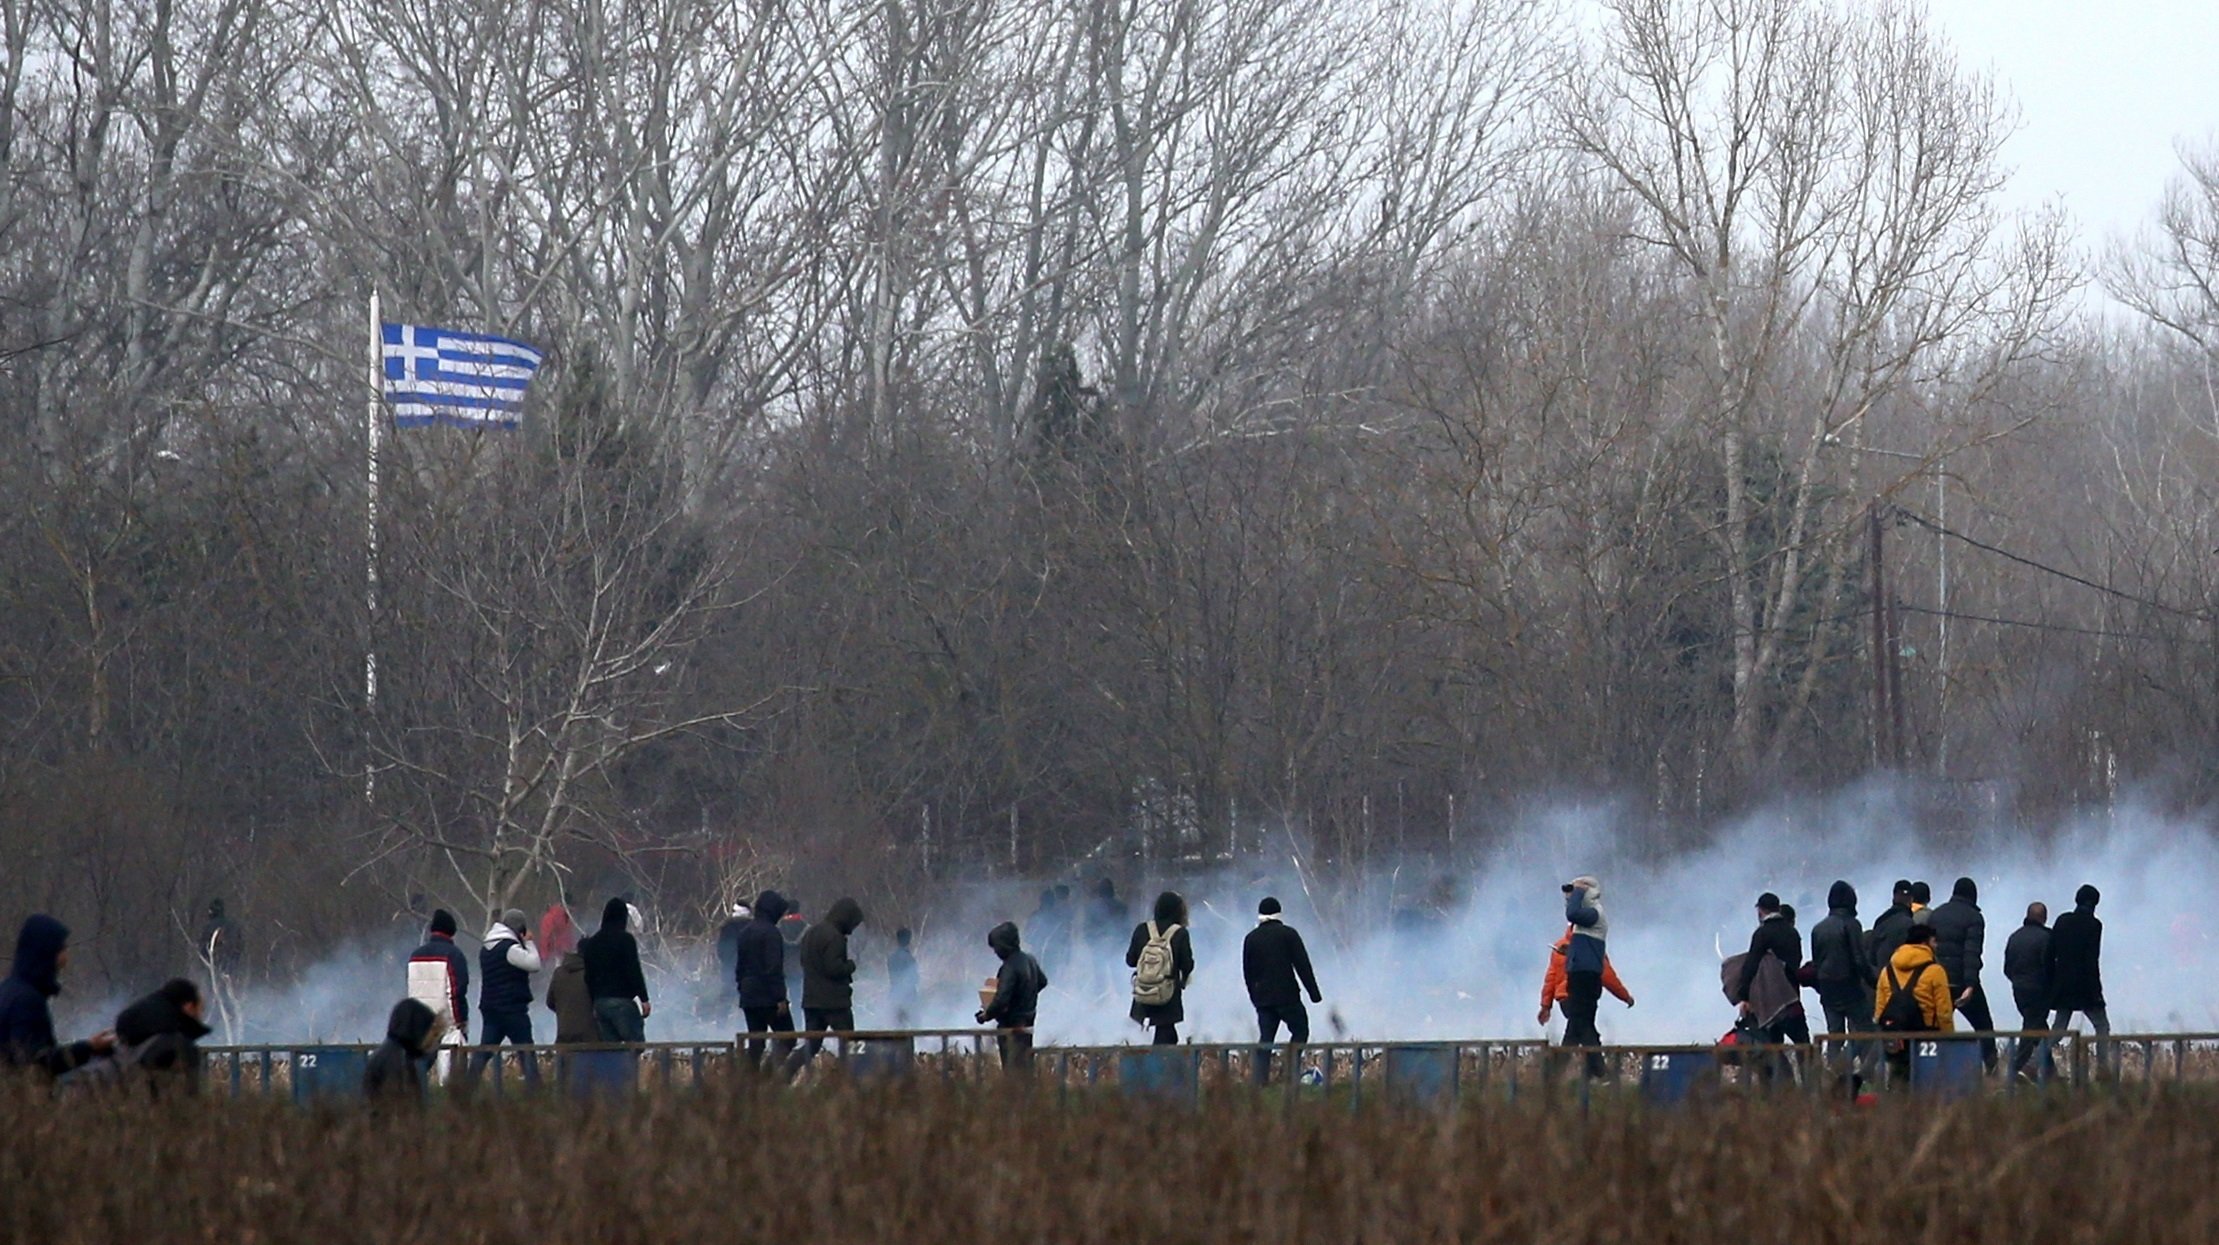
[38, 954]
[414, 1026]
[1966, 889]
[1003, 938]
[160, 1014]
[770, 907]
[845, 916]
[616, 914]
[1842, 897]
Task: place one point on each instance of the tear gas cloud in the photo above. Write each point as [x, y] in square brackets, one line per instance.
[1421, 952]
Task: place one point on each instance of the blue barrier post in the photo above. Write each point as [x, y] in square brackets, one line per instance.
[1946, 1068]
[882, 1059]
[323, 1073]
[591, 1074]
[1167, 1073]
[1421, 1075]
[1669, 1078]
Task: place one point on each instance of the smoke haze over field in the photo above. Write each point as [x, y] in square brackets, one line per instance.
[1394, 967]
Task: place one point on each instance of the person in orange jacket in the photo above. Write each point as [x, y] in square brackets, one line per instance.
[1556, 987]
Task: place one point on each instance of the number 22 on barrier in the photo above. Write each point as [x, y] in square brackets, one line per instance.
[1930, 1050]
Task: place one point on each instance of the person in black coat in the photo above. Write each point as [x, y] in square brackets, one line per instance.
[1841, 968]
[2026, 967]
[26, 1017]
[1276, 967]
[1888, 929]
[1016, 1001]
[760, 974]
[2076, 969]
[827, 979]
[614, 977]
[1170, 922]
[396, 1069]
[1960, 947]
[1775, 936]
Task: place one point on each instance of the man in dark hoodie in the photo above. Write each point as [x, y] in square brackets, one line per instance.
[396, 1069]
[2026, 967]
[761, 975]
[1016, 1002]
[1889, 927]
[26, 1018]
[1841, 968]
[1276, 967]
[2076, 970]
[1775, 936]
[827, 979]
[1960, 946]
[157, 1045]
[614, 978]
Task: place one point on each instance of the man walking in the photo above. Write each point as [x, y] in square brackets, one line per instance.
[505, 966]
[827, 979]
[761, 977]
[2026, 967]
[439, 978]
[1889, 928]
[1842, 969]
[1583, 966]
[2076, 971]
[1277, 968]
[614, 979]
[1960, 944]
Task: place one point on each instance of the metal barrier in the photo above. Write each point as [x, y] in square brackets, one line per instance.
[1433, 1073]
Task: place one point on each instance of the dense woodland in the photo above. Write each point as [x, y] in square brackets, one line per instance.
[989, 437]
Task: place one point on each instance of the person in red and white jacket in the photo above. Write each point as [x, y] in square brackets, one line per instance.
[439, 978]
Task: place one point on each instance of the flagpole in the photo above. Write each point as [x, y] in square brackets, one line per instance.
[370, 633]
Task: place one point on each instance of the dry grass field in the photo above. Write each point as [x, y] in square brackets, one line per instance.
[928, 1163]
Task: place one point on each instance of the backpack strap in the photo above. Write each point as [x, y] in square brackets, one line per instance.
[1152, 934]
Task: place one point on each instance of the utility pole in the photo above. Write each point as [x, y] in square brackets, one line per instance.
[1883, 712]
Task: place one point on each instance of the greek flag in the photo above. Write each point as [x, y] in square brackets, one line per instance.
[465, 380]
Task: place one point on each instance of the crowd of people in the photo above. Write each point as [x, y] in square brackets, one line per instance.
[1917, 969]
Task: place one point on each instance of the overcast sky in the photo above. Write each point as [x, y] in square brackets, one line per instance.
[2105, 89]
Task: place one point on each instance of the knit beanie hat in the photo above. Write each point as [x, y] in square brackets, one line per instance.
[443, 922]
[1269, 907]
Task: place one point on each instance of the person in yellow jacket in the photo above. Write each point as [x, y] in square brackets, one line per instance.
[1913, 968]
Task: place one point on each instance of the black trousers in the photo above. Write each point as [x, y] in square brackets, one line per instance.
[768, 1020]
[2033, 1017]
[1849, 1010]
[820, 1020]
[1016, 1051]
[505, 1026]
[1976, 1014]
[1294, 1016]
[1167, 1033]
[1584, 996]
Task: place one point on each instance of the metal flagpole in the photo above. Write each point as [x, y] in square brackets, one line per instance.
[370, 634]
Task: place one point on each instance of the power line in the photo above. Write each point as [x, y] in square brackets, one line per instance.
[2033, 625]
[2046, 569]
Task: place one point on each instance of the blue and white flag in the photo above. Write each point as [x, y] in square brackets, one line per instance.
[445, 376]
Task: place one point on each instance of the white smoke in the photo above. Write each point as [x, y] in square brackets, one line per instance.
[1469, 968]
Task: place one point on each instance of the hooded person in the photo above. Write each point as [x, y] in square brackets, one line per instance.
[1161, 955]
[614, 977]
[506, 963]
[2026, 967]
[1960, 947]
[2076, 969]
[26, 1015]
[901, 978]
[1841, 969]
[760, 973]
[439, 978]
[395, 1072]
[827, 979]
[572, 1003]
[1584, 957]
[157, 1045]
[1276, 966]
[1889, 927]
[1015, 1007]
